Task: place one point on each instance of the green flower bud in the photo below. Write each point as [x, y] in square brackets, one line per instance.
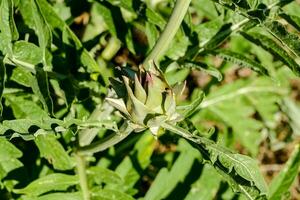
[149, 101]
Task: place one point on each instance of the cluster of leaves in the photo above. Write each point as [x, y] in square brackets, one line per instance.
[56, 59]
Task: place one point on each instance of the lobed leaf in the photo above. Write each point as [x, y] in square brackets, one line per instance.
[203, 67]
[242, 61]
[242, 170]
[29, 129]
[274, 48]
[288, 40]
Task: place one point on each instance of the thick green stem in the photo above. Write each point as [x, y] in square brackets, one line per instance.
[102, 145]
[169, 32]
[81, 170]
[86, 136]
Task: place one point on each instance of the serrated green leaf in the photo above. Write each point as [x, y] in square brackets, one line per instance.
[126, 4]
[250, 192]
[205, 8]
[223, 33]
[177, 75]
[259, 95]
[288, 40]
[242, 61]
[179, 46]
[203, 67]
[233, 164]
[53, 151]
[52, 182]
[281, 184]
[271, 46]
[26, 128]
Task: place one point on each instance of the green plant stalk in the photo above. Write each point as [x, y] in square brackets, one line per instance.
[86, 136]
[177, 16]
[81, 170]
[169, 32]
[107, 142]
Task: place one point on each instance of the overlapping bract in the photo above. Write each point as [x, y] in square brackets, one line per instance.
[148, 100]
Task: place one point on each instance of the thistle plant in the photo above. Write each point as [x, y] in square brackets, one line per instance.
[146, 100]
[53, 85]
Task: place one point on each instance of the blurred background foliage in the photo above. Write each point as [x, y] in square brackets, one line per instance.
[243, 54]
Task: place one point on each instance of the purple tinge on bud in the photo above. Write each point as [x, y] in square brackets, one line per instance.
[148, 94]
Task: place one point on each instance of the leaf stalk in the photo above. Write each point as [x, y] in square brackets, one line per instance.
[156, 53]
[81, 170]
[169, 32]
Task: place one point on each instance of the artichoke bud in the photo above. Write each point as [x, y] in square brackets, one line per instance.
[149, 101]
